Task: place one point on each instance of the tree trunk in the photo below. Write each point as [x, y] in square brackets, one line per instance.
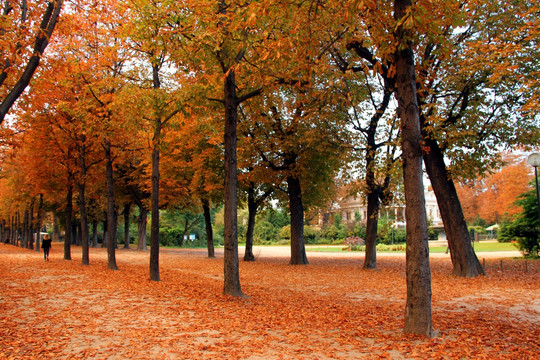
[370, 262]
[298, 249]
[31, 226]
[25, 240]
[231, 285]
[82, 203]
[76, 230]
[208, 226]
[127, 209]
[83, 224]
[67, 230]
[141, 228]
[94, 233]
[418, 319]
[111, 211]
[56, 228]
[38, 223]
[464, 260]
[252, 212]
[154, 229]
[105, 232]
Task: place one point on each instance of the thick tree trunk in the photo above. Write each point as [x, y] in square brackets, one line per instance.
[231, 283]
[298, 249]
[370, 262]
[67, 227]
[418, 319]
[127, 209]
[252, 212]
[141, 228]
[154, 229]
[208, 227]
[111, 211]
[464, 260]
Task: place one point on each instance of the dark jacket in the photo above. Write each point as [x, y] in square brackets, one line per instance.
[46, 244]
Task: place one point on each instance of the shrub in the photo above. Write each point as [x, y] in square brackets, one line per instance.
[311, 235]
[285, 232]
[354, 243]
[525, 227]
[265, 232]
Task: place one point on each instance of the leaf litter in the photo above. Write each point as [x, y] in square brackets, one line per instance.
[330, 309]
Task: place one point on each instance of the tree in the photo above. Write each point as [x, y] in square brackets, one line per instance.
[299, 141]
[525, 227]
[370, 85]
[418, 307]
[16, 22]
[468, 104]
[493, 196]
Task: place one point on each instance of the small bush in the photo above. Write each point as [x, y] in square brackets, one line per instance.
[353, 243]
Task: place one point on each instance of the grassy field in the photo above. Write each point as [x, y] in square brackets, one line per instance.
[479, 247]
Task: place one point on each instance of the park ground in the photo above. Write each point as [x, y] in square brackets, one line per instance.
[329, 309]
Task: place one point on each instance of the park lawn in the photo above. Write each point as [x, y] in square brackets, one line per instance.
[481, 247]
[478, 247]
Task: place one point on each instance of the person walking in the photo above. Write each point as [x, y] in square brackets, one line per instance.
[46, 246]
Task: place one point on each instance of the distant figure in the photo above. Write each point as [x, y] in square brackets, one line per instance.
[46, 246]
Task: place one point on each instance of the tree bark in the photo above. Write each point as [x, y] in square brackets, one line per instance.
[154, 229]
[252, 213]
[231, 284]
[418, 318]
[38, 223]
[56, 228]
[25, 242]
[105, 232]
[31, 226]
[208, 227]
[111, 211]
[464, 260]
[141, 228]
[127, 209]
[298, 249]
[84, 224]
[370, 261]
[81, 185]
[67, 230]
[94, 233]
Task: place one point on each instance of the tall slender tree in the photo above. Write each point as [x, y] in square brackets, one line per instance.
[418, 318]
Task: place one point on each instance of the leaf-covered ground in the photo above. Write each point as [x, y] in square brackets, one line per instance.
[330, 309]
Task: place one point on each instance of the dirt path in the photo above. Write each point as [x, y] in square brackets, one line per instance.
[330, 309]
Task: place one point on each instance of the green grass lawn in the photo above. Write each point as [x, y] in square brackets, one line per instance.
[478, 247]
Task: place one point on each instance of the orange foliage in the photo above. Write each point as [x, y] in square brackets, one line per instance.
[329, 310]
[494, 196]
